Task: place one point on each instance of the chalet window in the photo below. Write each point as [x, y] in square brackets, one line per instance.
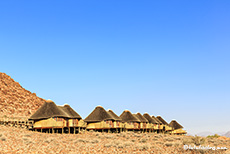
[59, 119]
[110, 123]
[135, 125]
[75, 121]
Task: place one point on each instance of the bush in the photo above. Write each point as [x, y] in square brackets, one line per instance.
[198, 140]
[169, 144]
[169, 139]
[107, 145]
[94, 141]
[128, 143]
[187, 141]
[144, 147]
[120, 146]
[143, 140]
[213, 136]
[81, 140]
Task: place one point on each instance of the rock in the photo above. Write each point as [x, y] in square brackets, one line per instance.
[17, 101]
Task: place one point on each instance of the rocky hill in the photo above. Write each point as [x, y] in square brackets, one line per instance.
[227, 134]
[15, 101]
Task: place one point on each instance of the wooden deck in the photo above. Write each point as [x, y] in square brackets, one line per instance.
[21, 122]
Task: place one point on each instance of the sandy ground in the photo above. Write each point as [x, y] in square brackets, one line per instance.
[17, 140]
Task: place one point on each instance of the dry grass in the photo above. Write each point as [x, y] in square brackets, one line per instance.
[15, 140]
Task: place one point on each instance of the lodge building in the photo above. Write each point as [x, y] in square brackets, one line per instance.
[52, 118]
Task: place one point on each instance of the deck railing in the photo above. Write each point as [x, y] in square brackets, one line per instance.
[22, 122]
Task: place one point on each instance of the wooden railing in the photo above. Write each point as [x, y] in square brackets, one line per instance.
[21, 122]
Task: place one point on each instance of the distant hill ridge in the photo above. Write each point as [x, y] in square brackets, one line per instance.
[227, 134]
[15, 100]
[205, 134]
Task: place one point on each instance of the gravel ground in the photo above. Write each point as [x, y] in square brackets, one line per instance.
[16, 140]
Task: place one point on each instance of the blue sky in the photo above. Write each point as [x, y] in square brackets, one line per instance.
[168, 58]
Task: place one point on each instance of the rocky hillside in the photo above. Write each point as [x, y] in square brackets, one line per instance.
[15, 100]
[227, 134]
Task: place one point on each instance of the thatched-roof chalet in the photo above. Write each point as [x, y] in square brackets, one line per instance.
[175, 125]
[162, 120]
[70, 112]
[47, 110]
[112, 114]
[98, 114]
[127, 116]
[150, 119]
[157, 120]
[141, 118]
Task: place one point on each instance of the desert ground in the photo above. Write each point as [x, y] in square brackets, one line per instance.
[18, 140]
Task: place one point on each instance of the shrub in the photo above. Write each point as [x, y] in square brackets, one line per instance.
[144, 147]
[80, 140]
[186, 141]
[108, 136]
[159, 142]
[128, 143]
[120, 146]
[133, 140]
[198, 140]
[94, 141]
[27, 135]
[25, 139]
[169, 139]
[143, 140]
[107, 145]
[213, 136]
[169, 144]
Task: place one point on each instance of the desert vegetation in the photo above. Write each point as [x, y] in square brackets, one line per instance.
[18, 140]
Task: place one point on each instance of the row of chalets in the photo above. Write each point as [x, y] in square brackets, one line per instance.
[63, 119]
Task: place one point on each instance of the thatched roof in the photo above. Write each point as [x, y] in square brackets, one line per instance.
[158, 121]
[70, 112]
[47, 110]
[150, 119]
[141, 117]
[136, 116]
[162, 120]
[116, 118]
[175, 125]
[127, 116]
[98, 114]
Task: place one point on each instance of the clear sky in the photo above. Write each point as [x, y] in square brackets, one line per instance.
[168, 58]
